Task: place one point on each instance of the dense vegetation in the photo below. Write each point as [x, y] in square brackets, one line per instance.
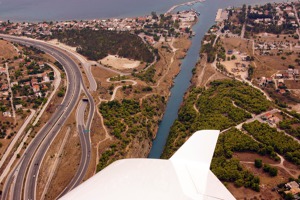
[129, 120]
[273, 171]
[242, 15]
[98, 44]
[236, 21]
[209, 49]
[280, 142]
[114, 111]
[147, 76]
[229, 169]
[243, 95]
[250, 72]
[225, 104]
[234, 140]
[291, 126]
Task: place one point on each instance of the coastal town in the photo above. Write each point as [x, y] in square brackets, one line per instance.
[270, 31]
[43, 30]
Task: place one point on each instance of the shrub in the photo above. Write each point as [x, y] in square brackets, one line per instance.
[258, 163]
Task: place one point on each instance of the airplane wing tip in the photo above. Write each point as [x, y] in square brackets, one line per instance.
[199, 147]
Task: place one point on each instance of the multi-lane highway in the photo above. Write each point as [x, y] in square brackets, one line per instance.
[24, 176]
[86, 146]
[83, 128]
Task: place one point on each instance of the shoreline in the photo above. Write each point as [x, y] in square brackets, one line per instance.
[190, 3]
[167, 11]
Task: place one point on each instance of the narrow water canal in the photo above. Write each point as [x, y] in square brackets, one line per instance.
[208, 12]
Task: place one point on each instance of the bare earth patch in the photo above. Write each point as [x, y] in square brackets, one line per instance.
[292, 84]
[296, 107]
[68, 164]
[243, 46]
[119, 63]
[205, 73]
[250, 157]
[267, 183]
[7, 50]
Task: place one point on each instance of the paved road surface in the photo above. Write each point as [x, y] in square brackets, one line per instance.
[86, 148]
[32, 158]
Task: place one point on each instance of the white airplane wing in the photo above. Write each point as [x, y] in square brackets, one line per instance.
[184, 176]
[199, 147]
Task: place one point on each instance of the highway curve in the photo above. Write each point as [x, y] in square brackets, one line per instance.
[33, 156]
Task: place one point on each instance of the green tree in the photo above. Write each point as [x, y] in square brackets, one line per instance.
[61, 93]
[187, 30]
[239, 183]
[258, 163]
[266, 167]
[273, 171]
[289, 196]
